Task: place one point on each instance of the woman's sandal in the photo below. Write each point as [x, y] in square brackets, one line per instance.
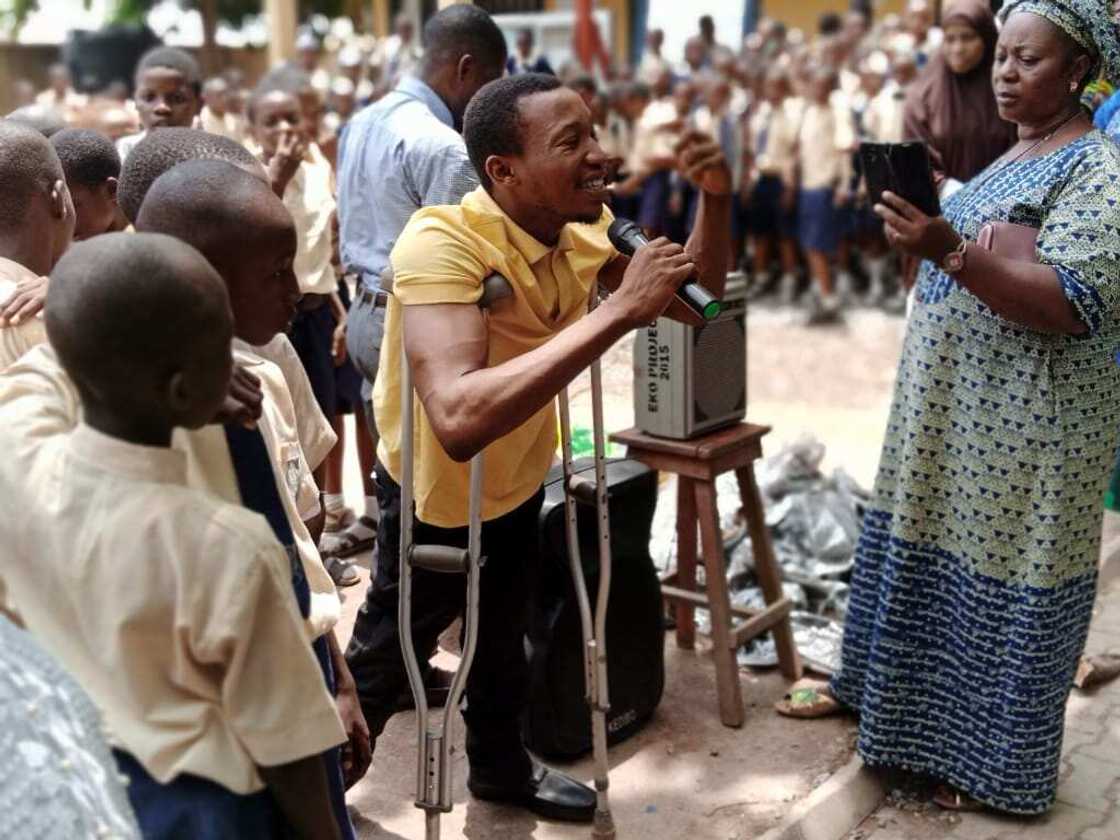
[347, 543]
[808, 699]
[339, 520]
[951, 799]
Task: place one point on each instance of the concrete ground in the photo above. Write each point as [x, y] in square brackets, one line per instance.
[686, 775]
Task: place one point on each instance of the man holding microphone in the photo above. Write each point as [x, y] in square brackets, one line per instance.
[489, 381]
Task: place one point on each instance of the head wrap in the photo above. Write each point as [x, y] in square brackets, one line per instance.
[1088, 22]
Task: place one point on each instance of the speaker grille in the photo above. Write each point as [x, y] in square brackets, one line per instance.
[719, 382]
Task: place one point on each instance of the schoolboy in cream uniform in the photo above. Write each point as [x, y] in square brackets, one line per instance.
[243, 229]
[36, 225]
[169, 606]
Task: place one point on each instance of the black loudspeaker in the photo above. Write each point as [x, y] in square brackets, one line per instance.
[96, 59]
[557, 722]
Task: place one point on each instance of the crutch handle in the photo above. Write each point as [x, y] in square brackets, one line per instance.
[440, 558]
[584, 490]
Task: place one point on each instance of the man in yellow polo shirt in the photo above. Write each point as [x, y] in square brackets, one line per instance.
[489, 381]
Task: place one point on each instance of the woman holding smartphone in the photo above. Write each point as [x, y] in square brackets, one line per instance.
[976, 570]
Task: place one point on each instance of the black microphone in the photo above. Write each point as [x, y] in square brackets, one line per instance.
[627, 237]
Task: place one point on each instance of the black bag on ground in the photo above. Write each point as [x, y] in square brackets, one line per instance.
[557, 722]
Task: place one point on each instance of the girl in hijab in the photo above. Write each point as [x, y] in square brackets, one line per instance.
[951, 106]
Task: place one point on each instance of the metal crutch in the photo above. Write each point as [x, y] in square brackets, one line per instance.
[433, 765]
[580, 490]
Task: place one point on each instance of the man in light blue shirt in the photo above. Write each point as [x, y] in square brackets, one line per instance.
[405, 152]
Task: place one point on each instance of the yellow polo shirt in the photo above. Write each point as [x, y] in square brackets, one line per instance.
[442, 256]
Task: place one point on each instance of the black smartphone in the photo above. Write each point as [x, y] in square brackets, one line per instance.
[900, 168]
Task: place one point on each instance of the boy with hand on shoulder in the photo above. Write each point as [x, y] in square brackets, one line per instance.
[36, 226]
[215, 740]
[168, 94]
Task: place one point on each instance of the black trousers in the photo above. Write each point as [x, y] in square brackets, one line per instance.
[496, 689]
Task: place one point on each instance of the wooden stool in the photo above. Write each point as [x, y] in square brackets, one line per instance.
[697, 463]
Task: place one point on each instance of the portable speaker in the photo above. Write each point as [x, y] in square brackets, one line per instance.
[557, 722]
[691, 380]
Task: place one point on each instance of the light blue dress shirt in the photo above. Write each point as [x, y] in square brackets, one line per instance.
[397, 155]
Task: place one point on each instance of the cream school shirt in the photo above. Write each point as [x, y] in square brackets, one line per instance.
[772, 134]
[15, 340]
[309, 197]
[49, 403]
[825, 140]
[173, 609]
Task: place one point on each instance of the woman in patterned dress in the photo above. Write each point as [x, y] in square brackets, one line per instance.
[976, 570]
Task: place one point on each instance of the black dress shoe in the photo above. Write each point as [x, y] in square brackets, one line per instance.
[547, 793]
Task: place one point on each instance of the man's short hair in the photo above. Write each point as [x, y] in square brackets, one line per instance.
[585, 82]
[28, 165]
[173, 59]
[163, 149]
[492, 123]
[461, 30]
[88, 157]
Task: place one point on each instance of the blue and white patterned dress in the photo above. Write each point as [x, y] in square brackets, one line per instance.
[976, 570]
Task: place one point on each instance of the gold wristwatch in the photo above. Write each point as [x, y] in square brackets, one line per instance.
[953, 262]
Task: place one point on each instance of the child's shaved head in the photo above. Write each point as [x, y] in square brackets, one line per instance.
[28, 166]
[163, 149]
[142, 324]
[88, 157]
[92, 167]
[36, 212]
[239, 224]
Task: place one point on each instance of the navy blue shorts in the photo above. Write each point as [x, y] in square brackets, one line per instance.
[193, 808]
[818, 222]
[765, 216]
[311, 335]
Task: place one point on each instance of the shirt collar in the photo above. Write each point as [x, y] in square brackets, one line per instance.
[532, 249]
[15, 272]
[245, 353]
[159, 464]
[417, 89]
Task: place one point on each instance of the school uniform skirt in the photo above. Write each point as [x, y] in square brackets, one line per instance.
[818, 222]
[764, 216]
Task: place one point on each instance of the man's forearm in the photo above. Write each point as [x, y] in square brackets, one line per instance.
[481, 406]
[710, 242]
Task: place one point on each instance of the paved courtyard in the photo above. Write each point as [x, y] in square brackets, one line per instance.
[685, 775]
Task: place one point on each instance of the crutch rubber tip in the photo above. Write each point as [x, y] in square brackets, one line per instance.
[603, 826]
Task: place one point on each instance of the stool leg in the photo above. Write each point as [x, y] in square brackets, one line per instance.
[686, 561]
[719, 605]
[766, 570]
